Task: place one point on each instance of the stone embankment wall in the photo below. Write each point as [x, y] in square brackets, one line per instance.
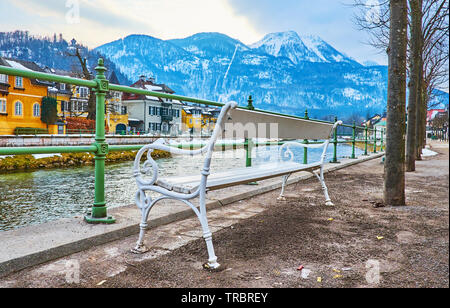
[65, 160]
[69, 140]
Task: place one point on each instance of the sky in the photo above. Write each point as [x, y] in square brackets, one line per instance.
[95, 22]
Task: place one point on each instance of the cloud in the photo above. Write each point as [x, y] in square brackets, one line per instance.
[102, 21]
[330, 19]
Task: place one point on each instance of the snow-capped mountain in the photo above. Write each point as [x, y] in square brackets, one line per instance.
[283, 72]
[210, 45]
[298, 49]
[287, 44]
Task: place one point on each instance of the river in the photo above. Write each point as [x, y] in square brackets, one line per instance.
[35, 197]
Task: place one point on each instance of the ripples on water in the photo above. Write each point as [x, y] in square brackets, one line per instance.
[39, 196]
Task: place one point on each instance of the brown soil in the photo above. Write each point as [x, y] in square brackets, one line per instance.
[410, 243]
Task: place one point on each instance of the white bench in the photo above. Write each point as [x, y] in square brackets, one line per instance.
[232, 122]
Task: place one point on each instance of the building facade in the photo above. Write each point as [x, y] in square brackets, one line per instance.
[73, 102]
[199, 119]
[149, 114]
[21, 100]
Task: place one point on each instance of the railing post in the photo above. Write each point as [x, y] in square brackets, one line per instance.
[98, 211]
[305, 141]
[381, 139]
[366, 140]
[248, 142]
[335, 141]
[248, 152]
[375, 140]
[353, 140]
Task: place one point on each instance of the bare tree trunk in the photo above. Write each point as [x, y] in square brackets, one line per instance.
[394, 165]
[421, 121]
[415, 72]
[86, 75]
[424, 122]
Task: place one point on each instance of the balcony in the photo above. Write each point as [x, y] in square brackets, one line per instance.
[4, 88]
[166, 118]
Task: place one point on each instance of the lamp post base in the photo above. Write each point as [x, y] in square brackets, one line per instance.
[98, 216]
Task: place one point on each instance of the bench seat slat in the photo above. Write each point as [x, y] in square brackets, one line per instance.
[189, 184]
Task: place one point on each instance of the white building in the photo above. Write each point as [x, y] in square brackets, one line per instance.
[150, 114]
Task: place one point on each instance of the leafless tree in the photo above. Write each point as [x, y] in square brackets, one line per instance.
[394, 165]
[414, 85]
[74, 51]
[373, 16]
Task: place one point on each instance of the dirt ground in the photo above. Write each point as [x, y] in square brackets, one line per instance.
[358, 242]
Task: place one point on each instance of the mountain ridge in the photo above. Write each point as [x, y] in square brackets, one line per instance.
[215, 66]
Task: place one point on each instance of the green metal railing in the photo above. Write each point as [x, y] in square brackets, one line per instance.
[100, 147]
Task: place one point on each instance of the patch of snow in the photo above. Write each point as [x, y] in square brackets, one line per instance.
[426, 152]
[37, 156]
[17, 65]
[313, 43]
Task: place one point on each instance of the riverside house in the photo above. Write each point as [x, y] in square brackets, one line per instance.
[151, 114]
[21, 99]
[199, 119]
[73, 102]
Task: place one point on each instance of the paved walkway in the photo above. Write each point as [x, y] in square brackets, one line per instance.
[261, 242]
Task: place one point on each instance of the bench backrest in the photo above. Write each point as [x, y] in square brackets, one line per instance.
[242, 123]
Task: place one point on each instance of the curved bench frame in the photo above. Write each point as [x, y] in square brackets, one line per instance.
[145, 202]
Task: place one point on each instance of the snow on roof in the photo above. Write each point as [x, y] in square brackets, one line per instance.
[153, 87]
[17, 65]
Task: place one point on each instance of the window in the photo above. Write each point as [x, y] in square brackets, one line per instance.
[84, 92]
[36, 110]
[18, 108]
[62, 86]
[3, 78]
[2, 105]
[124, 110]
[19, 82]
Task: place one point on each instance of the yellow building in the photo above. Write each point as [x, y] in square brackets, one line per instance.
[20, 100]
[73, 102]
[191, 119]
[196, 119]
[116, 113]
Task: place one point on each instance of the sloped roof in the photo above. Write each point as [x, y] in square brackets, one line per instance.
[26, 65]
[147, 85]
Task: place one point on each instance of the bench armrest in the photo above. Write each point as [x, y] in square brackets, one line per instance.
[160, 144]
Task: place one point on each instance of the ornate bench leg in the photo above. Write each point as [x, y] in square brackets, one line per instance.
[281, 197]
[140, 246]
[324, 187]
[212, 259]
[207, 235]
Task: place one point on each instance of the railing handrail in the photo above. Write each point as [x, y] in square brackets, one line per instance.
[127, 89]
